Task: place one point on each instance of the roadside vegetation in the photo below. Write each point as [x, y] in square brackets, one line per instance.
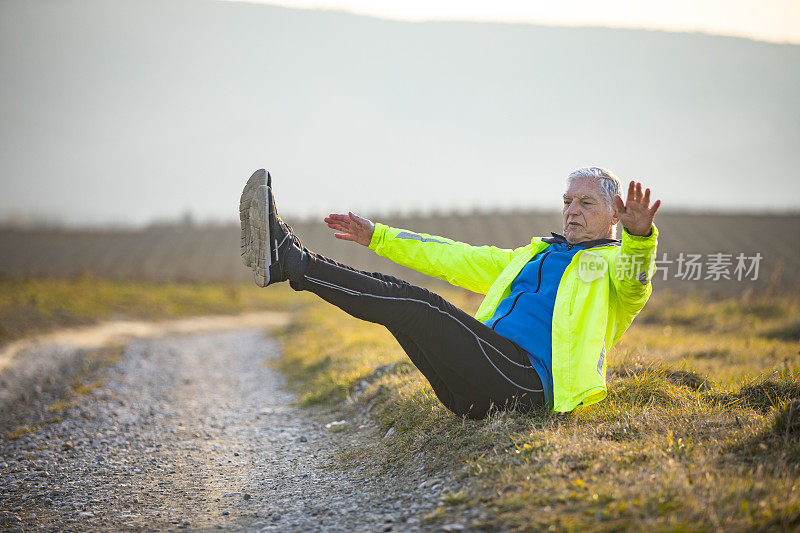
[700, 431]
[35, 305]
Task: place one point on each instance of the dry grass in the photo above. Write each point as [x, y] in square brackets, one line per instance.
[34, 305]
[701, 428]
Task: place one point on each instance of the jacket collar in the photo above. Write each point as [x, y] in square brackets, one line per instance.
[558, 238]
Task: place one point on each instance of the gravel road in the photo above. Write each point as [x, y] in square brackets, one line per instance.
[195, 431]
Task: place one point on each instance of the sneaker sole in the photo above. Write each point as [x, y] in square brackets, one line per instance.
[261, 237]
[259, 178]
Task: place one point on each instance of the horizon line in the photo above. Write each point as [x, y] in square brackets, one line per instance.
[155, 223]
[792, 38]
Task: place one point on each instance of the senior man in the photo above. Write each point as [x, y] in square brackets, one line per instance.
[552, 311]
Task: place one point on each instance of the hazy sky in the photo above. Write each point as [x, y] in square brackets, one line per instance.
[123, 111]
[767, 20]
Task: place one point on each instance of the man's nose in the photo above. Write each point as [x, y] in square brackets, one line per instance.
[574, 209]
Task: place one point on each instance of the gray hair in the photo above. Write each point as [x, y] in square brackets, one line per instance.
[609, 183]
[609, 186]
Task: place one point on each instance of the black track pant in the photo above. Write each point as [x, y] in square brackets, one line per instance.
[472, 369]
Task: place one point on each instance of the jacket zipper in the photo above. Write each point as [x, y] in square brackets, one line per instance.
[509, 311]
[538, 284]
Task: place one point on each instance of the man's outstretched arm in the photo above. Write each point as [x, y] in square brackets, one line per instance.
[632, 269]
[473, 267]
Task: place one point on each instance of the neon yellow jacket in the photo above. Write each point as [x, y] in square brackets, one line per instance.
[600, 293]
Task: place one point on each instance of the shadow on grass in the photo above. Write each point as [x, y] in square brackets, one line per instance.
[787, 332]
[776, 449]
[763, 393]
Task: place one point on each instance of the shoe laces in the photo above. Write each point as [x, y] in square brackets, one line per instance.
[289, 233]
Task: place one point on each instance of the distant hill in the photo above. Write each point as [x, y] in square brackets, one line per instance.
[118, 110]
[212, 253]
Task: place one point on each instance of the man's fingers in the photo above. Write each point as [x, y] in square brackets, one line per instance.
[631, 192]
[355, 219]
[344, 236]
[337, 220]
[336, 223]
[638, 191]
[361, 221]
[646, 199]
[653, 209]
[619, 203]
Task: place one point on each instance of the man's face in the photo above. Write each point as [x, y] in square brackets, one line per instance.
[586, 215]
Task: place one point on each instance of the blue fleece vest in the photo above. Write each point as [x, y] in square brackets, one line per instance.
[526, 315]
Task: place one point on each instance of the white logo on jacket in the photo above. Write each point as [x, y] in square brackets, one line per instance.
[591, 266]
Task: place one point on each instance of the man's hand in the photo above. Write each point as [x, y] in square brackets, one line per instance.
[353, 227]
[636, 215]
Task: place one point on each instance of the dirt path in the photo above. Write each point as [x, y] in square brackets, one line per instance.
[31, 361]
[195, 431]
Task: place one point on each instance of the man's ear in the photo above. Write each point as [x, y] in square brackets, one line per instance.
[614, 216]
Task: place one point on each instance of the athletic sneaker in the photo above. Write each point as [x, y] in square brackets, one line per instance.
[257, 180]
[272, 249]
